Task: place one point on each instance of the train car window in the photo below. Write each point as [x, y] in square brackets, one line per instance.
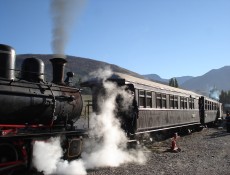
[148, 99]
[164, 104]
[158, 100]
[206, 105]
[171, 101]
[185, 103]
[209, 105]
[141, 98]
[182, 102]
[175, 102]
[191, 103]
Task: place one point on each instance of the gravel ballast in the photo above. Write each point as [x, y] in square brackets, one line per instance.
[204, 152]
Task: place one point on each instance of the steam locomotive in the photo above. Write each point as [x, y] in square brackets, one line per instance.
[32, 109]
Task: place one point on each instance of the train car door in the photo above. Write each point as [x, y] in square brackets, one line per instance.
[131, 114]
[202, 110]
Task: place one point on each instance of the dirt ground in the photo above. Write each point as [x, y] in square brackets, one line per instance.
[204, 152]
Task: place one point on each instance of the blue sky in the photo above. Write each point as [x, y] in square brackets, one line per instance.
[170, 38]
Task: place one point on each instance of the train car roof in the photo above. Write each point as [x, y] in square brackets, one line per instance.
[210, 99]
[158, 87]
[140, 83]
[144, 84]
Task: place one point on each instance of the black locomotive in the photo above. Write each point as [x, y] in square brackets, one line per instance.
[31, 109]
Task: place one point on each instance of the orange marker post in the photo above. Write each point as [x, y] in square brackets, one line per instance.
[174, 147]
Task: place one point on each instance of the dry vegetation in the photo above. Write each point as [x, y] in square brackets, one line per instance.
[87, 100]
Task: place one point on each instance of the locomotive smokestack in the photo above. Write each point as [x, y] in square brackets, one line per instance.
[58, 70]
[7, 62]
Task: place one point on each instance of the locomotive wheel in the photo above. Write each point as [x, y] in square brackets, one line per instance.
[8, 153]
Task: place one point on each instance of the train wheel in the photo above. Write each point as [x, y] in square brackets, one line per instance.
[8, 154]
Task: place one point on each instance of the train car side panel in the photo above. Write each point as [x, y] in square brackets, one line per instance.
[158, 119]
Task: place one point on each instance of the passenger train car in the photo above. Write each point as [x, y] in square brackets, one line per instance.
[159, 106]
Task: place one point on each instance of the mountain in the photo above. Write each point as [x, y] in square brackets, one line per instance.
[183, 79]
[155, 77]
[216, 78]
[80, 66]
[213, 81]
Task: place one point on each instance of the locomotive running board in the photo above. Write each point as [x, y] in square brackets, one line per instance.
[42, 134]
[11, 166]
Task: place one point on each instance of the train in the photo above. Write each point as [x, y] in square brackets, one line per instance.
[33, 109]
[158, 107]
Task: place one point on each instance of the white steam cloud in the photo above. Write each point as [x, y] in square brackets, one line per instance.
[63, 14]
[107, 145]
[214, 93]
[47, 159]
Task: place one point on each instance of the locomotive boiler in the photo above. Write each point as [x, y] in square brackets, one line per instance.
[33, 109]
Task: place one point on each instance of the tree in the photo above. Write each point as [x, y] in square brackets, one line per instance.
[173, 82]
[224, 98]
